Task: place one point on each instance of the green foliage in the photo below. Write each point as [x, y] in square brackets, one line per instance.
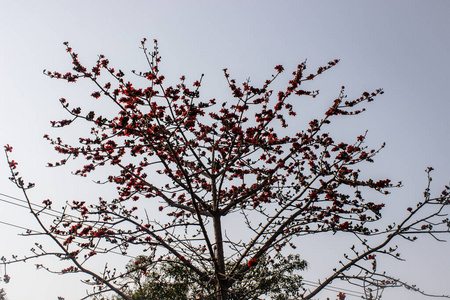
[169, 280]
[274, 278]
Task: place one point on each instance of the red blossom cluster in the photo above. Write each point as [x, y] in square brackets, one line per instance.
[198, 161]
[235, 161]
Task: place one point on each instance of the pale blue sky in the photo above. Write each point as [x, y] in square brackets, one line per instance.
[400, 46]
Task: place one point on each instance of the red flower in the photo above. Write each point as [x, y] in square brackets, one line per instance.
[252, 262]
[47, 203]
[12, 164]
[344, 226]
[8, 148]
[279, 68]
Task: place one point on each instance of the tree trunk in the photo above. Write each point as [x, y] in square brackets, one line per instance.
[221, 284]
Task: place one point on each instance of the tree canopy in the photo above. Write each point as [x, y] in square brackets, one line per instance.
[276, 278]
[184, 166]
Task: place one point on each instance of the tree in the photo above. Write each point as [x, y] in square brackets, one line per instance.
[182, 166]
[275, 278]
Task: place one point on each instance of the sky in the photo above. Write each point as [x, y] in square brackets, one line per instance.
[400, 46]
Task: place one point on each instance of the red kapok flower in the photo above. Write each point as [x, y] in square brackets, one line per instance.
[279, 68]
[252, 262]
[47, 202]
[12, 164]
